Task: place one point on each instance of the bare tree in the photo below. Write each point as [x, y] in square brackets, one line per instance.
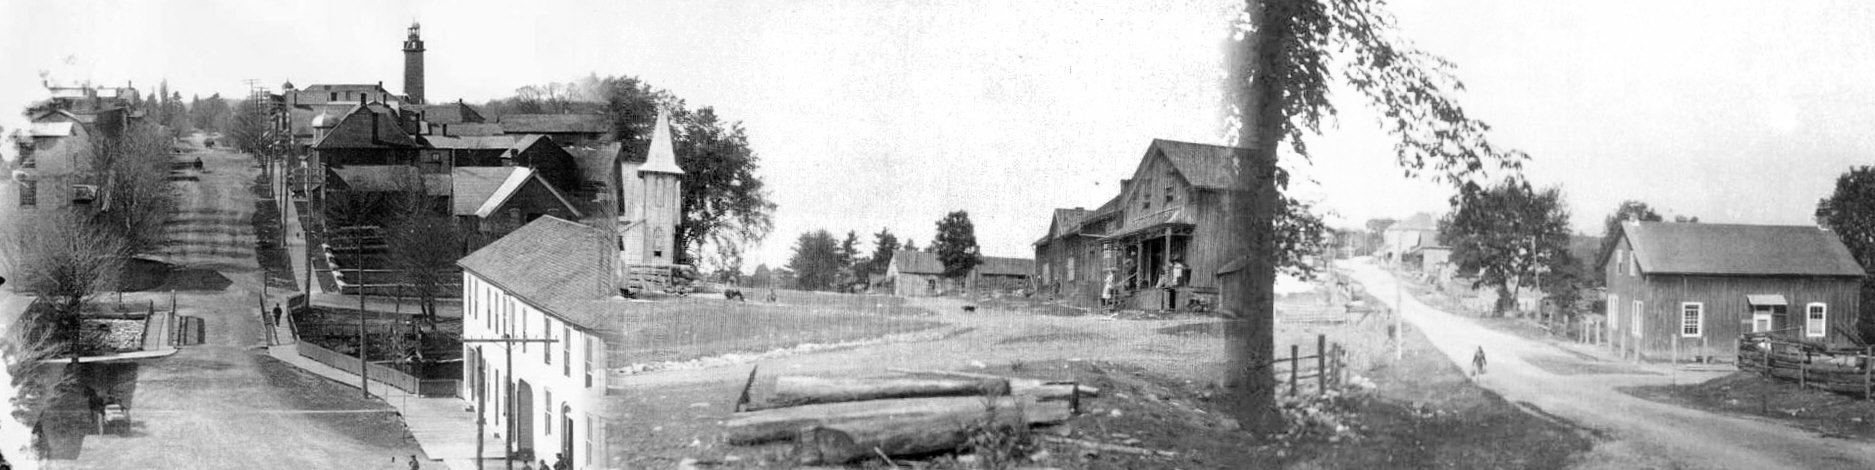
[131, 167]
[65, 259]
[424, 244]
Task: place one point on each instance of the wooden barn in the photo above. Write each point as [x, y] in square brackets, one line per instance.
[1162, 239]
[921, 274]
[1688, 290]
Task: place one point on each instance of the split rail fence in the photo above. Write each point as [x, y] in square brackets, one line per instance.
[1842, 371]
[1327, 368]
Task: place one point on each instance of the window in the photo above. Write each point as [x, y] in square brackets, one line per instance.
[589, 433]
[548, 409]
[334, 97]
[27, 160]
[1635, 320]
[1071, 275]
[586, 352]
[1692, 316]
[566, 351]
[29, 193]
[1614, 310]
[1168, 195]
[546, 330]
[1816, 320]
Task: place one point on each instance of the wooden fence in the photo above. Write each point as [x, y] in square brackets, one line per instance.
[395, 378]
[1329, 366]
[1842, 371]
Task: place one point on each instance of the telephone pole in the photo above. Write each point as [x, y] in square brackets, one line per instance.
[507, 439]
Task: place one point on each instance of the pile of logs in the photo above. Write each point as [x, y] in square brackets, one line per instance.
[840, 420]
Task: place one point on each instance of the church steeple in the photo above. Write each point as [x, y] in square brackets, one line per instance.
[413, 65]
[662, 156]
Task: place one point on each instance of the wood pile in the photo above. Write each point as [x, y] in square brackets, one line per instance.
[838, 420]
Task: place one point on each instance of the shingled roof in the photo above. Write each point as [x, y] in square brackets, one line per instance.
[1736, 250]
[544, 263]
[1204, 166]
[997, 266]
[554, 123]
[355, 130]
[474, 184]
[917, 262]
[447, 113]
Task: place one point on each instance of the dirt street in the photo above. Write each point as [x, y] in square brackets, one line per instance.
[1641, 433]
[223, 404]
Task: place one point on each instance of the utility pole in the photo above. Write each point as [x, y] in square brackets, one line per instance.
[507, 439]
[358, 257]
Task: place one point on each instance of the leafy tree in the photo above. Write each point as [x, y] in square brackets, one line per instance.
[1681, 219]
[1286, 55]
[1849, 211]
[1506, 235]
[851, 269]
[762, 277]
[250, 134]
[884, 245]
[816, 261]
[909, 246]
[956, 244]
[1300, 237]
[212, 114]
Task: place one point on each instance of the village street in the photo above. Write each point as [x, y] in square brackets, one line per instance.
[1640, 433]
[223, 403]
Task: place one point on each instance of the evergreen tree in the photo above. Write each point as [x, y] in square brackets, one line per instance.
[956, 244]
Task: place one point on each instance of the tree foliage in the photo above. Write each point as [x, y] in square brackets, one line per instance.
[1301, 237]
[884, 246]
[1505, 235]
[956, 244]
[1849, 211]
[816, 261]
[1288, 54]
[212, 114]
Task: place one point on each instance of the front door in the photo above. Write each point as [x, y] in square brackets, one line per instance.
[566, 434]
[523, 416]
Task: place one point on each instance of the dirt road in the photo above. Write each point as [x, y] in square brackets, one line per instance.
[1642, 434]
[222, 404]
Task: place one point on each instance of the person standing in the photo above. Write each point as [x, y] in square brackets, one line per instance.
[276, 314]
[1477, 362]
[413, 463]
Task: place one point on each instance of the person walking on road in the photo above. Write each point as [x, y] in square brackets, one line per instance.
[276, 314]
[1477, 362]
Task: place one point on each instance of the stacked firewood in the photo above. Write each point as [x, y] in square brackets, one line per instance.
[840, 420]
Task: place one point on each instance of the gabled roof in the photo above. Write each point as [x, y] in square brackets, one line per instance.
[1202, 165]
[377, 178]
[447, 113]
[917, 262]
[551, 263]
[469, 129]
[1064, 223]
[662, 156]
[492, 142]
[1739, 250]
[473, 185]
[1420, 221]
[52, 129]
[520, 177]
[554, 123]
[354, 130]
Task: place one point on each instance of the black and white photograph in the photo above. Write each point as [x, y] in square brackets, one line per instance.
[937, 234]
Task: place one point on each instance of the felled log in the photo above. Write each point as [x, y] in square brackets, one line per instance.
[1101, 446]
[1017, 386]
[786, 423]
[797, 390]
[853, 440]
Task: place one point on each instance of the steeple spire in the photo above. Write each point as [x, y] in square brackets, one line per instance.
[662, 156]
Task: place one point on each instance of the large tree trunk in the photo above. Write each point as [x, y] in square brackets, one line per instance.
[844, 442]
[797, 390]
[1250, 335]
[784, 423]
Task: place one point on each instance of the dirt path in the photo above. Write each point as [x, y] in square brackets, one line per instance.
[1643, 434]
[221, 404]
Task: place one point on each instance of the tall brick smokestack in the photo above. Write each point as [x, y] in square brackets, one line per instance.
[413, 66]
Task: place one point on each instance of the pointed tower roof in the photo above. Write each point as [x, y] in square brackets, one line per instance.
[662, 156]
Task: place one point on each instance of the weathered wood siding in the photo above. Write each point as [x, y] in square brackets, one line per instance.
[1727, 314]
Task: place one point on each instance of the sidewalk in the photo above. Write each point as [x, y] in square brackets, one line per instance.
[444, 427]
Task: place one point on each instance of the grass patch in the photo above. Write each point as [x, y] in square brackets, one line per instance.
[691, 328]
[1749, 394]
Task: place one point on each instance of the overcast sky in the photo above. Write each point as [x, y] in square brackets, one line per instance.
[872, 115]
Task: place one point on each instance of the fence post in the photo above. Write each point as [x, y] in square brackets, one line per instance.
[1321, 364]
[1868, 367]
[1294, 351]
